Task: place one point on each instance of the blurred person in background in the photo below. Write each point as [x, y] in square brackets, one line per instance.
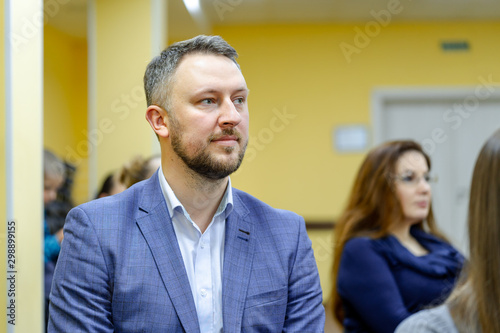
[110, 186]
[474, 305]
[138, 169]
[53, 178]
[389, 259]
[130, 173]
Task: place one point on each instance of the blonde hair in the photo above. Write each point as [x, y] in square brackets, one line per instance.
[475, 304]
[136, 170]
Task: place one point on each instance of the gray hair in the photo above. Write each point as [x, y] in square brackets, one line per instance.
[53, 166]
[160, 71]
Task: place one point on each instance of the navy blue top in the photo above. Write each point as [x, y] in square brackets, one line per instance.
[381, 283]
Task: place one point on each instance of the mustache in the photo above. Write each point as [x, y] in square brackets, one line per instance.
[225, 132]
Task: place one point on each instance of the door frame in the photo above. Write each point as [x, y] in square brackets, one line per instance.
[382, 96]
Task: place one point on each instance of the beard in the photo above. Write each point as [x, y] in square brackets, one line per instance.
[202, 161]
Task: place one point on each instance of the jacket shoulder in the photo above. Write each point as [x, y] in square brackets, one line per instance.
[256, 206]
[122, 204]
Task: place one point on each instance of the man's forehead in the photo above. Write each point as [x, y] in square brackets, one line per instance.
[202, 69]
[197, 59]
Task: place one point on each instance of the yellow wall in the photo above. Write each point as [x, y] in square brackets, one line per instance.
[301, 70]
[3, 199]
[65, 102]
[123, 46]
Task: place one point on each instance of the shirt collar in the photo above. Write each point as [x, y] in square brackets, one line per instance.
[173, 204]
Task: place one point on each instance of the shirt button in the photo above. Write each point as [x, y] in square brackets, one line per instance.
[203, 293]
[203, 245]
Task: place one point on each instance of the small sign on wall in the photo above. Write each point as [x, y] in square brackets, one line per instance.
[350, 138]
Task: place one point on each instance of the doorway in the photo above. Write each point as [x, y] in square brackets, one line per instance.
[451, 125]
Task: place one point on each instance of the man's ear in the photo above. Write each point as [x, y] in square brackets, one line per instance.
[157, 118]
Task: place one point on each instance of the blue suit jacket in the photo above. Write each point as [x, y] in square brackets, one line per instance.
[120, 269]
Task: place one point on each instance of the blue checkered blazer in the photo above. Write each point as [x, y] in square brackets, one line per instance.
[121, 270]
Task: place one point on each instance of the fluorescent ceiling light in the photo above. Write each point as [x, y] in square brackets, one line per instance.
[193, 6]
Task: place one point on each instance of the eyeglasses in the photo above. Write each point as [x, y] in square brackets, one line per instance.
[413, 180]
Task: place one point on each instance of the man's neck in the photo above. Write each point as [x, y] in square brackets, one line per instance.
[199, 195]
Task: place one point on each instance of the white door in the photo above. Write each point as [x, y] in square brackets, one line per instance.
[452, 126]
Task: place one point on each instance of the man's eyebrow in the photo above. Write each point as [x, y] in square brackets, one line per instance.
[243, 89]
[212, 91]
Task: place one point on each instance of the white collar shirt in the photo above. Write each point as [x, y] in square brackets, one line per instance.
[202, 253]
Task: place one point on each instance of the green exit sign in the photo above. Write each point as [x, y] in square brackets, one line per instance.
[455, 46]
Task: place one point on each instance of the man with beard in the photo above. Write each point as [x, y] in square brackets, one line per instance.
[184, 251]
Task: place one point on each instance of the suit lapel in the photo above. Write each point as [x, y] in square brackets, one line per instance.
[238, 256]
[155, 224]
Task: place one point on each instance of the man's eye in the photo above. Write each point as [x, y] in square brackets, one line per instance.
[239, 100]
[207, 101]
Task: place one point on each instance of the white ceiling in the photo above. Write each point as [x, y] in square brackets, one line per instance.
[71, 16]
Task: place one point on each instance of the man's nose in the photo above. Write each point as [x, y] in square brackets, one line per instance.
[230, 116]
